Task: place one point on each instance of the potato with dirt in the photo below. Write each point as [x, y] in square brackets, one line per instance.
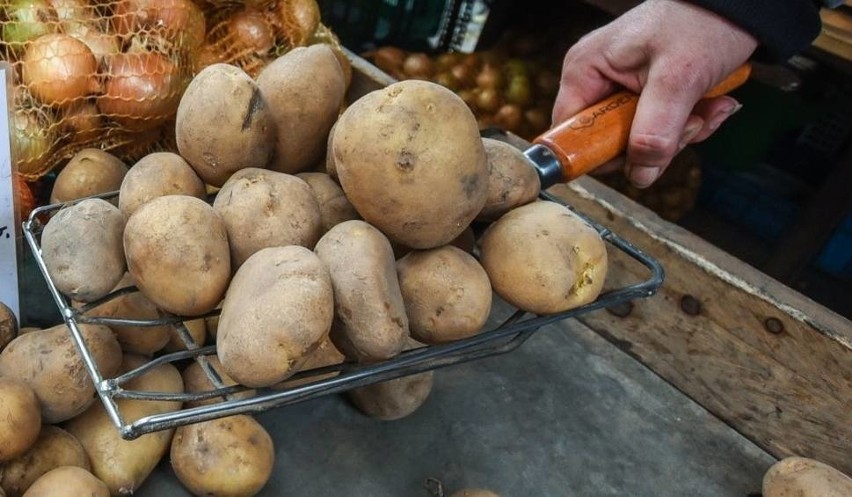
[279, 307]
[46, 358]
[229, 456]
[512, 180]
[334, 207]
[195, 380]
[543, 258]
[155, 175]
[82, 249]
[224, 124]
[8, 325]
[178, 253]
[68, 481]
[447, 294]
[125, 464]
[264, 208]
[410, 159]
[305, 88]
[804, 477]
[370, 320]
[54, 447]
[90, 171]
[21, 415]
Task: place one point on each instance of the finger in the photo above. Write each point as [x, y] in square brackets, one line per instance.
[610, 166]
[662, 112]
[714, 111]
[580, 87]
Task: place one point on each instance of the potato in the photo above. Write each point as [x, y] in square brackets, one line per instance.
[278, 308]
[267, 209]
[155, 175]
[54, 447]
[370, 320]
[124, 464]
[196, 328]
[177, 251]
[326, 354]
[803, 477]
[334, 207]
[394, 399]
[230, 456]
[542, 258]
[143, 340]
[224, 124]
[410, 159]
[21, 415]
[446, 292]
[89, 172]
[48, 358]
[305, 89]
[8, 325]
[196, 380]
[474, 492]
[68, 481]
[81, 246]
[512, 180]
[330, 167]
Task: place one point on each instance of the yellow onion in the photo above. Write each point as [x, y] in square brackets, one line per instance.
[181, 22]
[59, 70]
[295, 20]
[32, 138]
[26, 20]
[82, 123]
[249, 29]
[100, 43]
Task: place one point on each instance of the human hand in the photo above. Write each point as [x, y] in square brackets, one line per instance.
[670, 52]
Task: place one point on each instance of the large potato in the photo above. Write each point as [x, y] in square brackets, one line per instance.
[542, 258]
[224, 124]
[326, 354]
[48, 361]
[512, 180]
[177, 251]
[197, 330]
[446, 292]
[334, 207]
[21, 418]
[370, 319]
[804, 477]
[8, 325]
[305, 89]
[155, 175]
[54, 447]
[89, 172]
[411, 161]
[278, 308]
[225, 457]
[195, 380]
[68, 481]
[81, 246]
[124, 464]
[263, 208]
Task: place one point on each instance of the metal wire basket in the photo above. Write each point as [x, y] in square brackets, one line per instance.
[508, 335]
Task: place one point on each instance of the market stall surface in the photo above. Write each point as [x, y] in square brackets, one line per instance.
[567, 414]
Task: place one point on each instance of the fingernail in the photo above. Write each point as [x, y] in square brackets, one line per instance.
[733, 109]
[642, 176]
[717, 121]
[688, 134]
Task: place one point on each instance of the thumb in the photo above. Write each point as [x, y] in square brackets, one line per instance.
[579, 88]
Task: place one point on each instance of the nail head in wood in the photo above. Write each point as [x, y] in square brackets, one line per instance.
[690, 305]
[621, 309]
[774, 326]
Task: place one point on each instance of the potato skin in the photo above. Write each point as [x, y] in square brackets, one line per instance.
[8, 325]
[196, 380]
[370, 320]
[177, 251]
[54, 447]
[803, 477]
[542, 258]
[68, 481]
[278, 308]
[155, 175]
[411, 161]
[394, 399]
[333, 205]
[46, 358]
[512, 180]
[326, 354]
[82, 250]
[226, 457]
[243, 134]
[89, 172]
[446, 292]
[263, 208]
[21, 415]
[305, 89]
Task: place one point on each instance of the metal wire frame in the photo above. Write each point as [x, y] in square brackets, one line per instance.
[510, 334]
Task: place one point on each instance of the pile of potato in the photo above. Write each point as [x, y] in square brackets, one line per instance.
[318, 230]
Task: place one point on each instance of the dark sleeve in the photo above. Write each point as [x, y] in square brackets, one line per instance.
[783, 27]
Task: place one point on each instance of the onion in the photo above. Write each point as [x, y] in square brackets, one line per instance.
[487, 99]
[468, 96]
[519, 90]
[447, 80]
[101, 44]
[390, 60]
[489, 77]
[31, 141]
[26, 20]
[142, 90]
[447, 60]
[466, 75]
[418, 66]
[207, 55]
[295, 20]
[71, 12]
[509, 117]
[59, 70]
[82, 123]
[179, 21]
[250, 30]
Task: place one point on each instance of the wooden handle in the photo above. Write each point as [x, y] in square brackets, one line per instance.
[599, 133]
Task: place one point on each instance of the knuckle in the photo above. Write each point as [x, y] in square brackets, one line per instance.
[652, 149]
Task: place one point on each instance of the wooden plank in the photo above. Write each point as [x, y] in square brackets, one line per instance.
[770, 362]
